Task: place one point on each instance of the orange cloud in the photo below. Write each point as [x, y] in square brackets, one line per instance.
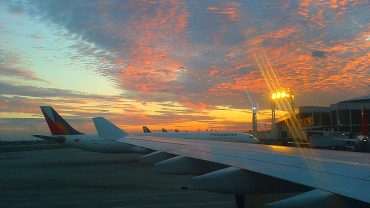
[152, 65]
[317, 15]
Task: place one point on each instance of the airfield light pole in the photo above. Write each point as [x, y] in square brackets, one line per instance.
[273, 116]
[277, 96]
[254, 119]
[254, 113]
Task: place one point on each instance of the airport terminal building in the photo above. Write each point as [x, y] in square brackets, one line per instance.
[343, 117]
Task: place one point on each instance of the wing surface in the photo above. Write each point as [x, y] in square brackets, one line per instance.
[343, 173]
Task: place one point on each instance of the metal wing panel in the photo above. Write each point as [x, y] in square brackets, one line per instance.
[279, 159]
[348, 170]
[317, 169]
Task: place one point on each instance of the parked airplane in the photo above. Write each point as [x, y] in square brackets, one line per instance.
[344, 140]
[326, 178]
[362, 141]
[146, 129]
[104, 142]
[227, 136]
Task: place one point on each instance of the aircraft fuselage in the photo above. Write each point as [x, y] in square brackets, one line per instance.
[97, 144]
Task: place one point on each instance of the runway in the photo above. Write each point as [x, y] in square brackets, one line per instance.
[74, 178]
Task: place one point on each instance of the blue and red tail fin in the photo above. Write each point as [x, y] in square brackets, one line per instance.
[57, 125]
[364, 129]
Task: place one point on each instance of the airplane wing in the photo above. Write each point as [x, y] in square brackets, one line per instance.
[326, 176]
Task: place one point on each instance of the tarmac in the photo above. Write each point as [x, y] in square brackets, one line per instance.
[68, 177]
[74, 178]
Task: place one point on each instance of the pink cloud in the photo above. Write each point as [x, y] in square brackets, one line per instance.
[156, 37]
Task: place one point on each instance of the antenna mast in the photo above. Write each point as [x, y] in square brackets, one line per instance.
[254, 113]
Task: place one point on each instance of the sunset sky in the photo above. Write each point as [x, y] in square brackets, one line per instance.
[174, 64]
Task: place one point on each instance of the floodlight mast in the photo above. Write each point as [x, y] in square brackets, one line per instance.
[279, 95]
[254, 113]
[254, 119]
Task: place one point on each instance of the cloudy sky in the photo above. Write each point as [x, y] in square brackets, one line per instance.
[175, 64]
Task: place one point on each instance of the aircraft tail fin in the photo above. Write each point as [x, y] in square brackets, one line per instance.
[57, 125]
[107, 129]
[146, 129]
[364, 129]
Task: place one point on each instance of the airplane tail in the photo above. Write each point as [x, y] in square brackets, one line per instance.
[146, 129]
[107, 129]
[57, 125]
[164, 130]
[364, 129]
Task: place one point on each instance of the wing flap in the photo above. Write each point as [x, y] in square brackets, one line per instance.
[314, 198]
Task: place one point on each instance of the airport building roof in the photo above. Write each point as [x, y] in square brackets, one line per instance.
[364, 99]
[351, 104]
